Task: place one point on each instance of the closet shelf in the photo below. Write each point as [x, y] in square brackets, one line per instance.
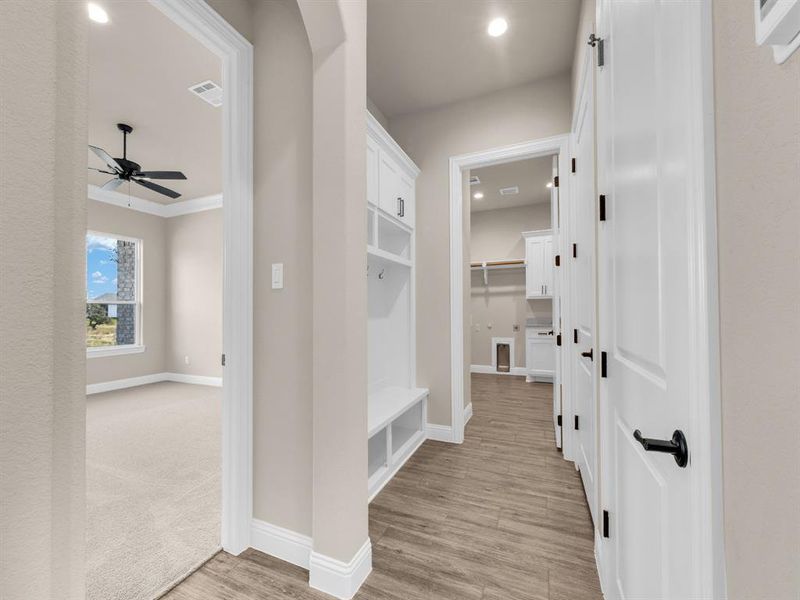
[491, 265]
[385, 405]
[383, 255]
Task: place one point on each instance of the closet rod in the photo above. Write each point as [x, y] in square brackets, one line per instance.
[497, 263]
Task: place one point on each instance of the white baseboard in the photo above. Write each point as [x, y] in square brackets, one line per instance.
[120, 384]
[439, 433]
[490, 370]
[339, 579]
[467, 413]
[194, 379]
[285, 544]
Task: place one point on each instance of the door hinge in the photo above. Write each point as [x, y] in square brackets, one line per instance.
[574, 250]
[605, 525]
[573, 165]
[603, 364]
[558, 339]
[601, 51]
[558, 421]
[577, 425]
[558, 260]
[574, 336]
[223, 360]
[555, 181]
[602, 207]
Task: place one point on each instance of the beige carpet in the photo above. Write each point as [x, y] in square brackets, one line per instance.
[153, 487]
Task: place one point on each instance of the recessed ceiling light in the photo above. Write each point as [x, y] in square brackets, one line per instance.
[549, 184]
[478, 195]
[97, 13]
[497, 27]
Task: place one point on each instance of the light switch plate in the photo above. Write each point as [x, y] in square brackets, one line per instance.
[277, 276]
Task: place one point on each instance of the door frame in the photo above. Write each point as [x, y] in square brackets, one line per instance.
[559, 145]
[200, 21]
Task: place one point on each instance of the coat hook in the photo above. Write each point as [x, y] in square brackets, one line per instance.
[380, 275]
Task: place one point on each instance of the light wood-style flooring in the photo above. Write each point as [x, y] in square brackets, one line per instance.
[500, 517]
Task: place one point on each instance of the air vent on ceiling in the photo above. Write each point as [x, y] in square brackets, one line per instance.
[474, 180]
[509, 191]
[208, 91]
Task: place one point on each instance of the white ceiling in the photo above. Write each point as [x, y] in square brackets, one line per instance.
[531, 176]
[426, 53]
[140, 66]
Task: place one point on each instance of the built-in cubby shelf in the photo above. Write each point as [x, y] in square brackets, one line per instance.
[397, 410]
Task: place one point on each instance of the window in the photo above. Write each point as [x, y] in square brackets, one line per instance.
[113, 294]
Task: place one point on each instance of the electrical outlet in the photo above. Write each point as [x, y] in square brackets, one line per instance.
[488, 326]
[187, 360]
[477, 327]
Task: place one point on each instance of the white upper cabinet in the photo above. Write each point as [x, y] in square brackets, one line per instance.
[390, 175]
[373, 157]
[538, 264]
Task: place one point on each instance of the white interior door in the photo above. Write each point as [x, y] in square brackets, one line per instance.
[555, 225]
[583, 289]
[651, 274]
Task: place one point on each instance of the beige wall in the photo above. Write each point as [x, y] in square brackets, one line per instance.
[43, 130]
[282, 410]
[181, 292]
[585, 28]
[431, 137]
[151, 229]
[337, 35]
[193, 309]
[497, 235]
[758, 200]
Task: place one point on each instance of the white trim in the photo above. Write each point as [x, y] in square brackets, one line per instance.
[406, 451]
[124, 201]
[337, 578]
[101, 351]
[189, 207]
[119, 384]
[492, 370]
[285, 544]
[184, 207]
[199, 20]
[533, 149]
[194, 379]
[439, 433]
[467, 413]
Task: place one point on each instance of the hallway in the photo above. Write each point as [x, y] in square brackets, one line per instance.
[501, 517]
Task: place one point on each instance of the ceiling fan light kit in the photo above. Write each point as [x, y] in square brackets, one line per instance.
[127, 170]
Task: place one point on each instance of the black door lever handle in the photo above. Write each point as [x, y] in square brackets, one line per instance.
[589, 354]
[676, 446]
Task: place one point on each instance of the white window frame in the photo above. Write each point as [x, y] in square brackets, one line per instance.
[138, 346]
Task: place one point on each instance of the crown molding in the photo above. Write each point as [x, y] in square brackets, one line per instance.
[176, 209]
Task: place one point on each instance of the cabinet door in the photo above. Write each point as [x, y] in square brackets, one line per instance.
[534, 256]
[389, 178]
[547, 265]
[406, 196]
[542, 356]
[373, 168]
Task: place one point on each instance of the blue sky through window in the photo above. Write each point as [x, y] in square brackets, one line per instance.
[101, 267]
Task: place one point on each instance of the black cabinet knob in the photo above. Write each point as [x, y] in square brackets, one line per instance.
[588, 354]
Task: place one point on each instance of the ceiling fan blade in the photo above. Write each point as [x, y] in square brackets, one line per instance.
[102, 171]
[106, 158]
[156, 188]
[162, 175]
[113, 184]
